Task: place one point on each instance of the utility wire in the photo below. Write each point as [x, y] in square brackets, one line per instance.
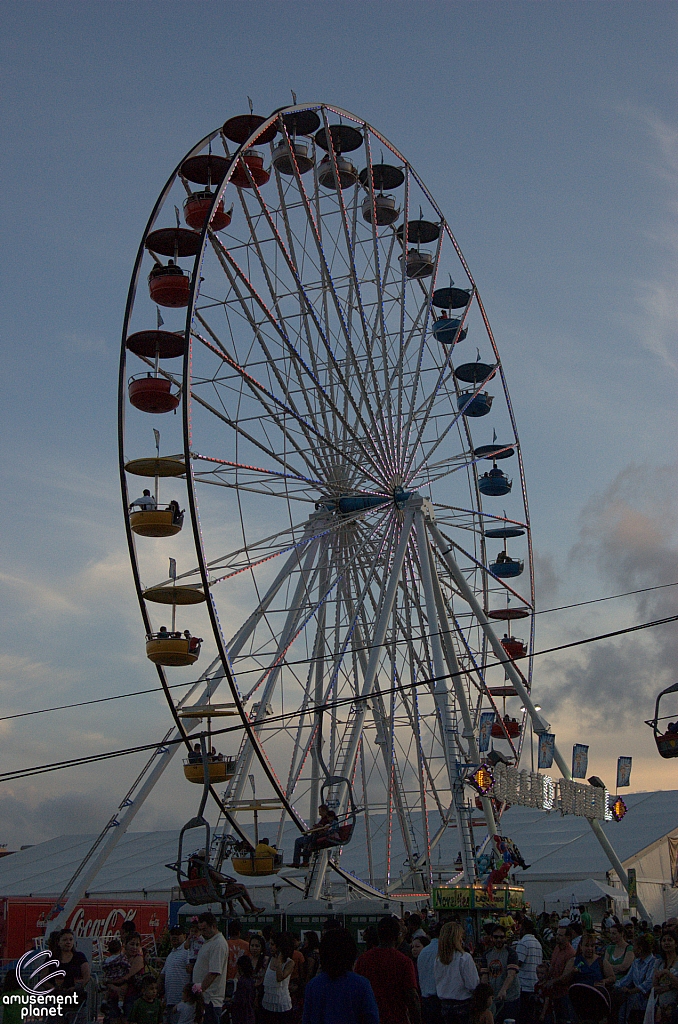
[304, 661]
[23, 773]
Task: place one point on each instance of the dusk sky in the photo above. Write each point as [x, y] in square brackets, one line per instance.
[548, 134]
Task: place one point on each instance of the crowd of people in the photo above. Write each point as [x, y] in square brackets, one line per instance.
[414, 970]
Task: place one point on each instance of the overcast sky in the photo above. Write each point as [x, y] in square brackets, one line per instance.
[548, 134]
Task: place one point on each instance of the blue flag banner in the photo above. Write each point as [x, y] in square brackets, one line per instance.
[580, 760]
[485, 730]
[547, 742]
[624, 771]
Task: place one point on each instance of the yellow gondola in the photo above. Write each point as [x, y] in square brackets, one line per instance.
[155, 522]
[219, 771]
[249, 863]
[164, 649]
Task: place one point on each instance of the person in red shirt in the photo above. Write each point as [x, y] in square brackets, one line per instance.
[237, 947]
[392, 976]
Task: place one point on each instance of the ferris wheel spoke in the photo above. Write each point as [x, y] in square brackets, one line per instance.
[288, 405]
[456, 418]
[326, 276]
[275, 299]
[426, 410]
[232, 269]
[379, 328]
[349, 236]
[261, 392]
[366, 401]
[413, 390]
[290, 256]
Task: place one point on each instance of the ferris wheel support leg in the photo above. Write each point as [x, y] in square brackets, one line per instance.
[235, 789]
[117, 831]
[388, 595]
[441, 695]
[454, 668]
[250, 624]
[540, 725]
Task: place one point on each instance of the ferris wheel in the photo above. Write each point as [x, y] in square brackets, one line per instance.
[337, 483]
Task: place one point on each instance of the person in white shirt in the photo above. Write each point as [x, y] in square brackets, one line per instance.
[425, 965]
[530, 955]
[146, 502]
[174, 975]
[209, 972]
[455, 974]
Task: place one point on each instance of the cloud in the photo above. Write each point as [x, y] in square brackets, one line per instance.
[657, 321]
[28, 818]
[546, 580]
[39, 596]
[84, 344]
[628, 534]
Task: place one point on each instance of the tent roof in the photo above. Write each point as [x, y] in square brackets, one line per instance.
[564, 846]
[586, 890]
[556, 847]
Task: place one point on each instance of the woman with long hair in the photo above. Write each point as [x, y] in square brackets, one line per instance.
[259, 964]
[455, 975]
[337, 995]
[276, 1004]
[665, 980]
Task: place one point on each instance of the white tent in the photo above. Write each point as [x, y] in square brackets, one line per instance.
[588, 890]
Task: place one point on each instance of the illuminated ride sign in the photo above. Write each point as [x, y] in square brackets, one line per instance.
[530, 789]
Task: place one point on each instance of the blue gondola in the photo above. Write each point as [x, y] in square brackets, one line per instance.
[470, 406]
[445, 330]
[508, 568]
[495, 483]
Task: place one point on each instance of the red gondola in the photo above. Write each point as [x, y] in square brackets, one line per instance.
[514, 647]
[255, 162]
[197, 207]
[153, 394]
[508, 725]
[169, 286]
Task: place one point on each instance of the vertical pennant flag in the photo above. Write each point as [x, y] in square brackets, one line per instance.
[173, 568]
[632, 888]
[547, 742]
[580, 760]
[161, 322]
[485, 730]
[624, 771]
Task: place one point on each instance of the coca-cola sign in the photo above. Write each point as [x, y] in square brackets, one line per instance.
[22, 919]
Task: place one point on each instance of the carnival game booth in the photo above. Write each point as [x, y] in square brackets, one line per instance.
[475, 904]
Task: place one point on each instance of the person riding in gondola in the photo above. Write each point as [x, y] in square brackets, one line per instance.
[303, 845]
[264, 849]
[229, 888]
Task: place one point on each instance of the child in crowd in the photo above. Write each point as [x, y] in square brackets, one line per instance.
[193, 943]
[191, 1009]
[114, 968]
[480, 1003]
[242, 1005]
[147, 1009]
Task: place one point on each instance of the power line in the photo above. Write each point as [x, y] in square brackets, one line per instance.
[99, 700]
[306, 661]
[22, 773]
